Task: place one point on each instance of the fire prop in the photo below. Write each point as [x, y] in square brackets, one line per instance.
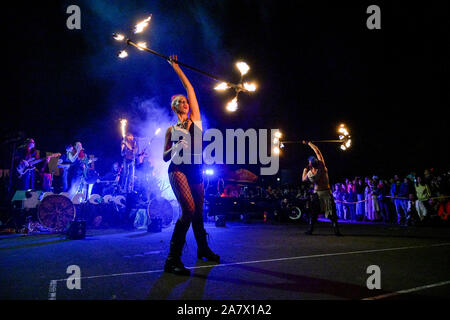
[142, 46]
[123, 126]
[344, 140]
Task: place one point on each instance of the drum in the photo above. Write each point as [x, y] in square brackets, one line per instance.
[46, 194]
[95, 199]
[56, 212]
[65, 194]
[160, 207]
[78, 198]
[120, 201]
[108, 198]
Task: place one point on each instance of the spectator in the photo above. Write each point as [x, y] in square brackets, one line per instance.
[337, 194]
[383, 201]
[360, 206]
[368, 197]
[395, 193]
[412, 215]
[423, 194]
[375, 202]
[350, 198]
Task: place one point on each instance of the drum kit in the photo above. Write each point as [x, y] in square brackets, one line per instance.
[57, 211]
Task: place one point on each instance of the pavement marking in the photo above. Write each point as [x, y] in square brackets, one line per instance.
[396, 293]
[52, 287]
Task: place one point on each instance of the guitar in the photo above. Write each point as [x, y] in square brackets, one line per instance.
[27, 165]
[142, 155]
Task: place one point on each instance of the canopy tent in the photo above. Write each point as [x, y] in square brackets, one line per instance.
[241, 175]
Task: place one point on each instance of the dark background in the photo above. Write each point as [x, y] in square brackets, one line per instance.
[317, 65]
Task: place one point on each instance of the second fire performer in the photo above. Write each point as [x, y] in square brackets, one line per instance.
[317, 173]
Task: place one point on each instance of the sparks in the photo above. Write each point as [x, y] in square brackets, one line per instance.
[157, 131]
[243, 67]
[142, 25]
[278, 134]
[232, 105]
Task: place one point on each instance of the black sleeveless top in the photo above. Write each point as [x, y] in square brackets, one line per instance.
[192, 170]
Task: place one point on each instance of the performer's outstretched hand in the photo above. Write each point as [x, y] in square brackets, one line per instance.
[172, 61]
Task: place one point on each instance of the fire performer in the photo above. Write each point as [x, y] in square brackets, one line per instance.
[317, 173]
[186, 179]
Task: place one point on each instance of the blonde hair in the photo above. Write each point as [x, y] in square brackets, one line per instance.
[175, 98]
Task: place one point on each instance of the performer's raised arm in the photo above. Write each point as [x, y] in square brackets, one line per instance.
[195, 110]
[317, 152]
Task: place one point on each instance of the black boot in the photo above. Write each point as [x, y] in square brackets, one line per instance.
[203, 250]
[336, 229]
[311, 226]
[173, 263]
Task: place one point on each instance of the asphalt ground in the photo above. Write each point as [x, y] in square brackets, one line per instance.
[259, 262]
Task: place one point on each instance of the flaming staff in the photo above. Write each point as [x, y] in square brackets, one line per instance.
[142, 46]
[123, 126]
[344, 140]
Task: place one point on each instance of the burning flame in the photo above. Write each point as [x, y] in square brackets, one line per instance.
[142, 25]
[232, 105]
[343, 130]
[222, 86]
[142, 44]
[345, 137]
[123, 124]
[243, 67]
[122, 54]
[118, 36]
[276, 150]
[250, 86]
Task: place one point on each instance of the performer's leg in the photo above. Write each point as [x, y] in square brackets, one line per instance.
[184, 196]
[312, 218]
[313, 214]
[64, 180]
[332, 215]
[203, 250]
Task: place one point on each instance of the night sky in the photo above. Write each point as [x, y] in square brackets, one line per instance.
[317, 65]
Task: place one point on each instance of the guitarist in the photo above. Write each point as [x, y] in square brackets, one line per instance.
[25, 153]
[128, 151]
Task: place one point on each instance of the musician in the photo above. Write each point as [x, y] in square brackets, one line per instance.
[111, 179]
[77, 159]
[128, 151]
[64, 163]
[25, 153]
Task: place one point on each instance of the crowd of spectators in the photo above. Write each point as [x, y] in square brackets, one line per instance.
[407, 200]
[412, 199]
